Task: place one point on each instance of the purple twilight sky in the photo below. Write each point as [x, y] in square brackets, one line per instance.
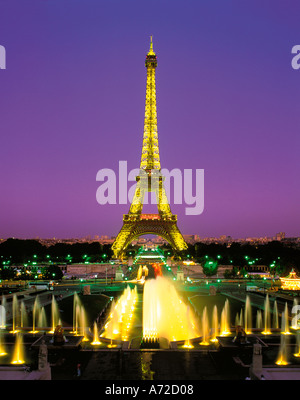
[72, 102]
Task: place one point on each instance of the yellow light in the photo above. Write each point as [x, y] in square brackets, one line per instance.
[291, 282]
[18, 351]
[281, 361]
[95, 342]
[225, 333]
[204, 343]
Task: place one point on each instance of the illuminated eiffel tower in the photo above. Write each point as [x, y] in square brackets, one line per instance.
[135, 223]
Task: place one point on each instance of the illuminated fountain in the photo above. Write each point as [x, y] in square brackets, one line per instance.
[14, 314]
[54, 314]
[35, 310]
[83, 324]
[18, 356]
[128, 305]
[205, 329]
[76, 302]
[23, 315]
[3, 313]
[297, 345]
[267, 317]
[259, 320]
[109, 332]
[225, 319]
[165, 314]
[96, 340]
[187, 343]
[78, 315]
[115, 320]
[285, 321]
[248, 316]
[2, 345]
[77, 320]
[239, 320]
[151, 310]
[42, 320]
[215, 325]
[275, 316]
[282, 358]
[282, 355]
[120, 318]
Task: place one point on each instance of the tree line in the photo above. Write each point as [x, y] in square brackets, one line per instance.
[39, 259]
[280, 257]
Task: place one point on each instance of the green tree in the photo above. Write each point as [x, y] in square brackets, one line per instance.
[210, 267]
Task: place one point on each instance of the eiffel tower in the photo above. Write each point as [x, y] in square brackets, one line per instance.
[150, 179]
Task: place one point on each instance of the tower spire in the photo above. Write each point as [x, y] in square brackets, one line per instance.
[150, 151]
[151, 52]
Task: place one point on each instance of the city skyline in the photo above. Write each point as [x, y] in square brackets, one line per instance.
[73, 97]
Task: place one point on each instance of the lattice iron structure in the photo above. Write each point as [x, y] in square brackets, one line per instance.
[150, 179]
